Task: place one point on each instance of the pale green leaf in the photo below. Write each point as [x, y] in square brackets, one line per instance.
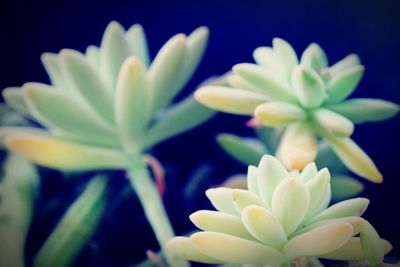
[278, 114]
[290, 203]
[88, 83]
[93, 56]
[245, 150]
[14, 97]
[344, 64]
[221, 199]
[263, 225]
[55, 153]
[132, 109]
[286, 56]
[362, 110]
[215, 221]
[320, 240]
[298, 146]
[52, 64]
[314, 57]
[344, 187]
[183, 247]
[270, 173]
[243, 198]
[309, 171]
[308, 86]
[232, 249]
[342, 85]
[317, 187]
[114, 51]
[137, 41]
[333, 121]
[236, 81]
[252, 177]
[372, 245]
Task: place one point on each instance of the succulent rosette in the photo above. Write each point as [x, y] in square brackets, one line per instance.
[282, 216]
[306, 97]
[109, 103]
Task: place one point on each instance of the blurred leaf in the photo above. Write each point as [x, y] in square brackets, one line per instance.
[245, 150]
[344, 187]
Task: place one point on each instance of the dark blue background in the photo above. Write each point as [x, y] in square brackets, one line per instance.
[368, 28]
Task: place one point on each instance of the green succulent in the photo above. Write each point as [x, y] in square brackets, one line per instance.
[108, 104]
[306, 97]
[282, 216]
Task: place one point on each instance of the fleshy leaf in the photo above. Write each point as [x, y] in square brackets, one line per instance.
[114, 51]
[88, 83]
[286, 55]
[245, 150]
[351, 207]
[352, 251]
[265, 56]
[230, 100]
[252, 177]
[352, 156]
[215, 221]
[184, 248]
[57, 110]
[132, 103]
[321, 240]
[137, 41]
[59, 154]
[344, 187]
[93, 56]
[236, 81]
[372, 245]
[290, 203]
[314, 57]
[342, 85]
[317, 188]
[14, 97]
[52, 64]
[235, 250]
[309, 171]
[221, 199]
[344, 64]
[175, 120]
[360, 110]
[278, 114]
[243, 198]
[165, 69]
[270, 173]
[333, 121]
[298, 146]
[263, 225]
[308, 86]
[267, 83]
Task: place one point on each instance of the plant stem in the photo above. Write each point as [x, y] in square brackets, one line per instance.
[154, 210]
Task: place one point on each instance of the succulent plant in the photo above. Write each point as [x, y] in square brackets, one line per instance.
[282, 216]
[307, 97]
[106, 108]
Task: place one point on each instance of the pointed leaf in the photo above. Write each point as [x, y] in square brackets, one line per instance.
[93, 56]
[352, 251]
[317, 187]
[286, 55]
[55, 109]
[236, 81]
[114, 51]
[266, 83]
[245, 150]
[263, 225]
[215, 221]
[175, 121]
[318, 241]
[183, 247]
[333, 121]
[309, 171]
[252, 177]
[290, 203]
[243, 198]
[344, 64]
[278, 114]
[351, 207]
[314, 57]
[221, 199]
[14, 97]
[132, 103]
[52, 64]
[270, 173]
[88, 83]
[344, 187]
[308, 86]
[342, 85]
[265, 57]
[165, 69]
[362, 110]
[298, 146]
[137, 41]
[235, 250]
[230, 100]
[58, 154]
[352, 156]
[372, 245]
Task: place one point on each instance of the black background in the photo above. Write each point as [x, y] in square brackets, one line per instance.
[368, 28]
